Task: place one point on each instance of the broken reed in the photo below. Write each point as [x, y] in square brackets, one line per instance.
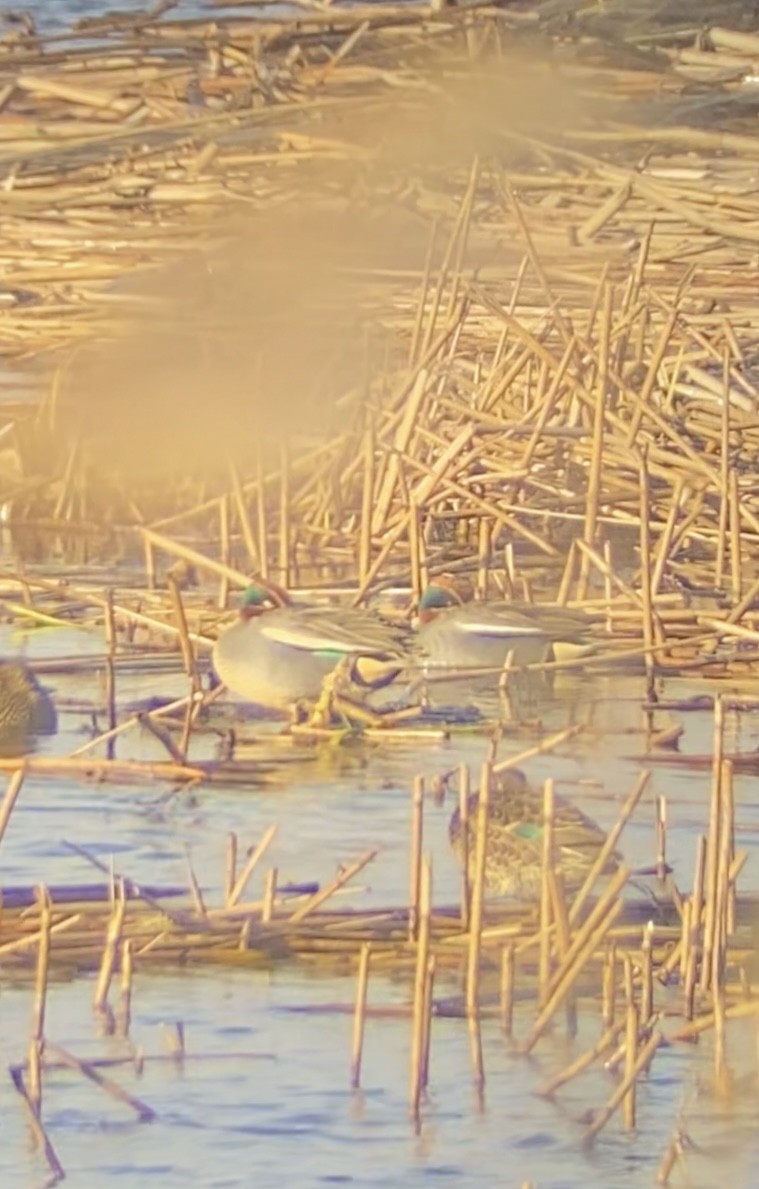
[46, 1056]
[540, 408]
[28, 1078]
[491, 450]
[400, 533]
[582, 945]
[641, 1037]
[708, 915]
[685, 640]
[575, 947]
[665, 624]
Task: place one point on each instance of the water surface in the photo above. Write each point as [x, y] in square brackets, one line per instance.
[291, 1116]
[57, 16]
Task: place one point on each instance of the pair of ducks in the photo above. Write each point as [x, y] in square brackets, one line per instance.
[277, 654]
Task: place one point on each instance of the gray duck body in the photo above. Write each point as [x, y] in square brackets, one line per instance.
[481, 635]
[282, 656]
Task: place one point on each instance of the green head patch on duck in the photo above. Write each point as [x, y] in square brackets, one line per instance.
[255, 596]
[262, 595]
[435, 598]
[440, 595]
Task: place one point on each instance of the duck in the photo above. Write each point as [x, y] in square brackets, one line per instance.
[280, 655]
[514, 839]
[26, 707]
[454, 632]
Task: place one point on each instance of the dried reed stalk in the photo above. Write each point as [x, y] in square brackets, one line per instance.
[110, 951]
[608, 847]
[38, 1131]
[475, 922]
[642, 1061]
[420, 982]
[507, 989]
[609, 987]
[604, 1043]
[631, 1046]
[587, 939]
[359, 1018]
[254, 858]
[429, 987]
[230, 869]
[464, 796]
[145, 1114]
[127, 977]
[37, 1039]
[415, 855]
[339, 881]
[711, 886]
[11, 795]
[546, 904]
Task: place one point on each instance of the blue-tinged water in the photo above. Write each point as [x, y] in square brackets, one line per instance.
[264, 1099]
[58, 15]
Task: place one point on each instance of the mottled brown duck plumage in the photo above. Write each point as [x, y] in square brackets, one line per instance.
[25, 707]
[514, 840]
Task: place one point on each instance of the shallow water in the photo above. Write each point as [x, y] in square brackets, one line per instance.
[289, 1118]
[224, 1121]
[263, 1096]
[57, 16]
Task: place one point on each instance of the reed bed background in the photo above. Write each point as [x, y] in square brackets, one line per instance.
[575, 319]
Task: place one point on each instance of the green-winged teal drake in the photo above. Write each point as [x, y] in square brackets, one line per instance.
[457, 634]
[514, 840]
[277, 654]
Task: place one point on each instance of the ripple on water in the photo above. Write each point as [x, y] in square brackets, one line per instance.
[278, 1104]
[54, 16]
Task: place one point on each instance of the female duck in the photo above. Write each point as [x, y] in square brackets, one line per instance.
[457, 634]
[25, 706]
[514, 838]
[278, 654]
